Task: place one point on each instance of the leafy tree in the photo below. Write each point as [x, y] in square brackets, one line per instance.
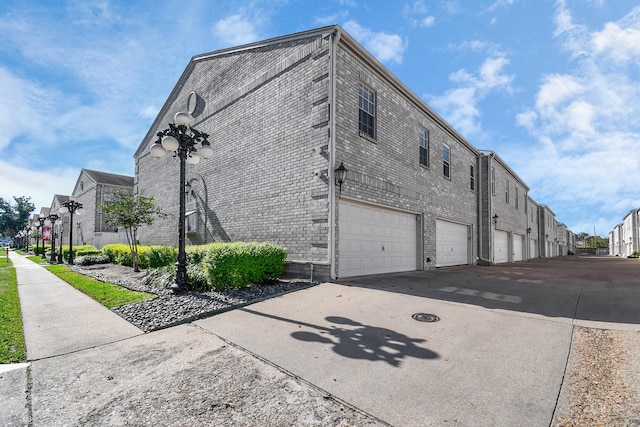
[15, 218]
[131, 212]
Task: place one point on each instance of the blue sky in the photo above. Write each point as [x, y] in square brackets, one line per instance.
[552, 86]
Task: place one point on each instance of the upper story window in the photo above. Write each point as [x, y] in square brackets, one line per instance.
[424, 147]
[506, 191]
[446, 160]
[472, 178]
[517, 203]
[367, 112]
[493, 181]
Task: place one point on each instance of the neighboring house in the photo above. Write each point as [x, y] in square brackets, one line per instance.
[562, 239]
[629, 239]
[61, 226]
[503, 213]
[533, 230]
[615, 241]
[547, 232]
[92, 189]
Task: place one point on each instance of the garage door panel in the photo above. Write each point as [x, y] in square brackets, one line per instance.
[518, 247]
[452, 244]
[500, 246]
[374, 240]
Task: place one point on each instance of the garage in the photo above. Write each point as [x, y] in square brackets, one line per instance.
[518, 247]
[452, 243]
[375, 240]
[500, 246]
[533, 248]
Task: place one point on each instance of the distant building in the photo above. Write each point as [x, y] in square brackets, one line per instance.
[92, 189]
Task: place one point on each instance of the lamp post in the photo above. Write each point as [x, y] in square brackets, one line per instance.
[71, 206]
[181, 139]
[41, 220]
[51, 219]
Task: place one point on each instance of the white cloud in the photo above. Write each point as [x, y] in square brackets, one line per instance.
[417, 13]
[40, 185]
[500, 3]
[460, 106]
[388, 48]
[236, 30]
[621, 45]
[585, 121]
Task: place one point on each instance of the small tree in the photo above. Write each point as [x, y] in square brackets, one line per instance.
[130, 212]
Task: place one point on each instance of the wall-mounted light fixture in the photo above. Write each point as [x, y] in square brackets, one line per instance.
[529, 230]
[495, 220]
[341, 174]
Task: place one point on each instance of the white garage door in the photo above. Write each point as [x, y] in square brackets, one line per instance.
[375, 240]
[452, 243]
[533, 248]
[500, 246]
[518, 247]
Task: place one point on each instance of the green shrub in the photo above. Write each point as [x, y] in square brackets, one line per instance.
[118, 253]
[239, 264]
[157, 256]
[80, 250]
[91, 259]
[37, 250]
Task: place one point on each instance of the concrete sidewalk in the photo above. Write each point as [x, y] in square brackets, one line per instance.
[59, 319]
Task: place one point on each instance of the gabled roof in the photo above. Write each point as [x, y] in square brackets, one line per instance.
[109, 178]
[346, 41]
[489, 153]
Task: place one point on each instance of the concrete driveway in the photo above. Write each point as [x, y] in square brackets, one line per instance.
[496, 357]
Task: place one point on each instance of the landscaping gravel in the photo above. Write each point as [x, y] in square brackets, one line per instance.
[170, 309]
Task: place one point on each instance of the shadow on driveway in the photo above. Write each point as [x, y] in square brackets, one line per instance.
[588, 288]
[359, 341]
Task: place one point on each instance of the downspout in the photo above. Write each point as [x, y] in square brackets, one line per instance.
[333, 46]
[481, 200]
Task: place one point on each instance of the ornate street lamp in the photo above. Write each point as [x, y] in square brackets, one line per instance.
[72, 207]
[181, 139]
[51, 222]
[41, 220]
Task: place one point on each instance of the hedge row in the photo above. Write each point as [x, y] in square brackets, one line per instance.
[149, 256]
[219, 266]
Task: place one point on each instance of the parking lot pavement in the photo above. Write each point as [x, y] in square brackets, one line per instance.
[496, 357]
[600, 292]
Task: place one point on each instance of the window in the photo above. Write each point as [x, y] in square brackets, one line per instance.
[493, 181]
[446, 160]
[424, 147]
[367, 111]
[517, 204]
[506, 191]
[472, 178]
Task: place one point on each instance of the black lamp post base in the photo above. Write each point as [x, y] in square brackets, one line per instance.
[177, 289]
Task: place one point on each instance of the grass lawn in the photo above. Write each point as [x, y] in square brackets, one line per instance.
[11, 336]
[106, 294]
[36, 258]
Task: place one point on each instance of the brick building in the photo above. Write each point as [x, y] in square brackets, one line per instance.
[92, 189]
[504, 219]
[283, 114]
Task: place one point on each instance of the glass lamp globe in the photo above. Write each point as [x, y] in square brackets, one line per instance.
[183, 119]
[170, 143]
[193, 159]
[206, 152]
[157, 151]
